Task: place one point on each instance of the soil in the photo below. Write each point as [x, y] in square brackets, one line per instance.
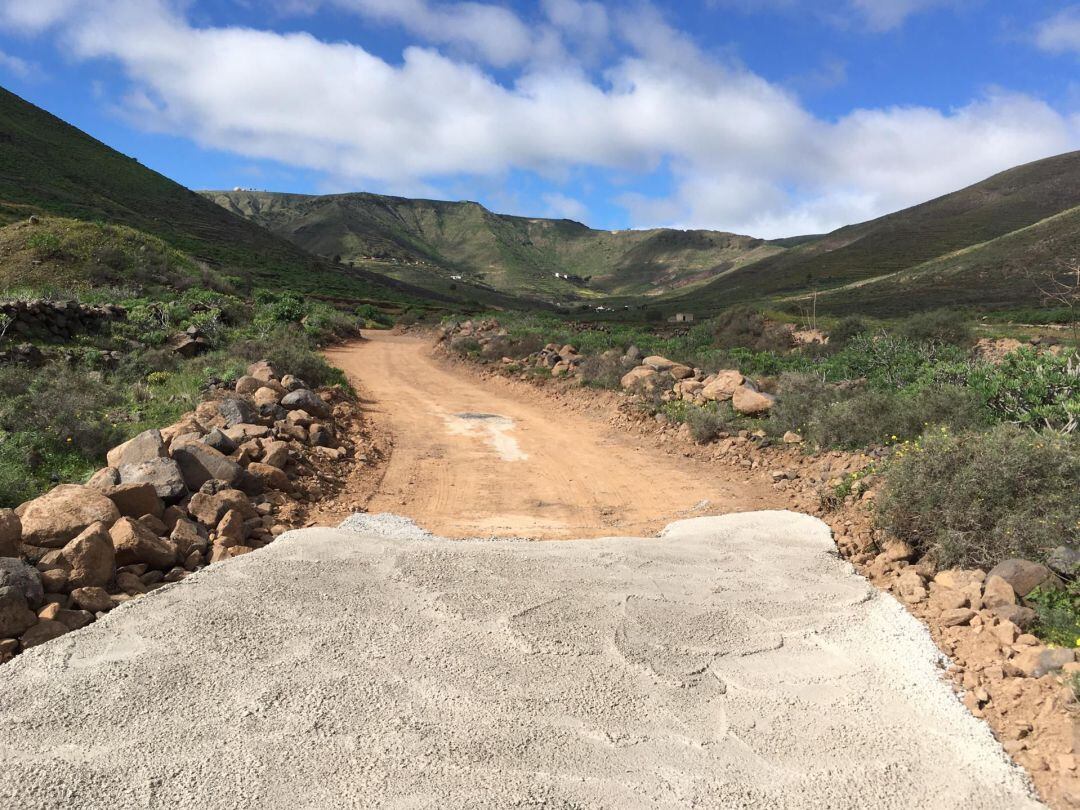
[488, 458]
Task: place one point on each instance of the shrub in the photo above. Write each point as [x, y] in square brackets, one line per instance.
[289, 350]
[801, 396]
[975, 499]
[943, 326]
[746, 328]
[706, 424]
[604, 370]
[846, 329]
[1058, 611]
[1033, 390]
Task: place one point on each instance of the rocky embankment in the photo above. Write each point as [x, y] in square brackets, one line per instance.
[223, 481]
[1026, 689]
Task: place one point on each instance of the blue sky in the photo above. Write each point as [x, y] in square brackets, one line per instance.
[769, 117]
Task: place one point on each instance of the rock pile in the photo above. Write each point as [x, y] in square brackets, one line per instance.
[220, 482]
[674, 381]
[59, 320]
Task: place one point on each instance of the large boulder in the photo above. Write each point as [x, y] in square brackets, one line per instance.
[11, 532]
[270, 477]
[62, 513]
[263, 371]
[236, 411]
[200, 463]
[248, 385]
[94, 599]
[209, 508]
[134, 543]
[304, 399]
[640, 376]
[91, 557]
[721, 387]
[748, 402]
[147, 445]
[163, 473]
[265, 397]
[44, 630]
[16, 617]
[24, 579]
[136, 499]
[1065, 560]
[188, 537]
[1023, 575]
[658, 363]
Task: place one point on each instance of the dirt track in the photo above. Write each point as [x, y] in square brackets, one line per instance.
[476, 459]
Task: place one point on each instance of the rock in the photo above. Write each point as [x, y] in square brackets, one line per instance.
[1038, 661]
[276, 454]
[91, 557]
[956, 616]
[74, 619]
[1065, 560]
[41, 632]
[136, 499]
[104, 478]
[291, 383]
[321, 436]
[234, 411]
[263, 370]
[997, 592]
[187, 345]
[188, 425]
[958, 579]
[1022, 617]
[23, 578]
[723, 386]
[10, 533]
[96, 600]
[163, 473]
[231, 529]
[898, 550]
[657, 363]
[62, 513]
[948, 598]
[146, 446]
[130, 584]
[749, 402]
[680, 372]
[220, 441]
[188, 538]
[792, 438]
[55, 580]
[134, 543]
[639, 376]
[1023, 575]
[245, 432]
[248, 385]
[265, 397]
[200, 463]
[270, 477]
[16, 617]
[307, 400]
[208, 509]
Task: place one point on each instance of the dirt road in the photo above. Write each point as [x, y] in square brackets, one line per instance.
[474, 459]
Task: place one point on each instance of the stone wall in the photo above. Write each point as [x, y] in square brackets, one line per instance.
[58, 320]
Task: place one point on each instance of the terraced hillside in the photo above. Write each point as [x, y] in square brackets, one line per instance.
[979, 246]
[49, 167]
[418, 239]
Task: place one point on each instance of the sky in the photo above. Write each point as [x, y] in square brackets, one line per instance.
[765, 117]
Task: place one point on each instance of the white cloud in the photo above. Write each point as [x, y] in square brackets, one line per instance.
[1060, 33]
[32, 16]
[15, 65]
[562, 206]
[745, 155]
[878, 15]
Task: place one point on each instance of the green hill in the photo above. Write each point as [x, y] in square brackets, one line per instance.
[49, 167]
[976, 246]
[429, 239]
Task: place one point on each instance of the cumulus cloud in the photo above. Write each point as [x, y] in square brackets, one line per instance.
[562, 206]
[1060, 33]
[743, 153]
[14, 65]
[877, 15]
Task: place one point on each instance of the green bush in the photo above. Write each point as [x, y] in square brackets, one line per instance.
[846, 329]
[290, 350]
[800, 398]
[706, 423]
[603, 370]
[944, 326]
[974, 499]
[1058, 611]
[745, 328]
[1032, 389]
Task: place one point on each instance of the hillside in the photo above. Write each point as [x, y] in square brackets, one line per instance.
[976, 246]
[50, 167]
[425, 239]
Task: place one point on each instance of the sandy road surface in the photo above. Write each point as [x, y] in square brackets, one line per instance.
[733, 662]
[472, 459]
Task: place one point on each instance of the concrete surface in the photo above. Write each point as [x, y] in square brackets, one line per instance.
[733, 662]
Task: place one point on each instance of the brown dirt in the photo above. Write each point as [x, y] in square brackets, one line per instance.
[549, 472]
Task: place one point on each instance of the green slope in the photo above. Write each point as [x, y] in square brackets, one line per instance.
[956, 249]
[418, 238]
[50, 167]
